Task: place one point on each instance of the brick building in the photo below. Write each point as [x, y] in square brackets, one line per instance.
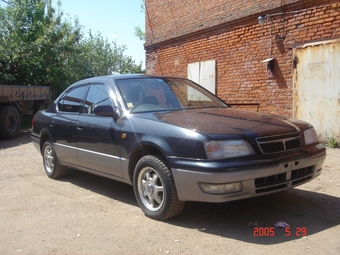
[248, 63]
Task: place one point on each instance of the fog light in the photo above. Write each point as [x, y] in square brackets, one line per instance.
[224, 188]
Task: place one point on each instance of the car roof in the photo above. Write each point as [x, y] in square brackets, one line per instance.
[122, 77]
[128, 76]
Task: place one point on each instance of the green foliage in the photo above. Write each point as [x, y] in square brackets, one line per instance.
[139, 33]
[332, 142]
[39, 47]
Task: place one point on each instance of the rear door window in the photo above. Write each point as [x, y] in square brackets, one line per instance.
[72, 100]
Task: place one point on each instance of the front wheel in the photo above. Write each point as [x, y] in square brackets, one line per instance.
[52, 166]
[155, 189]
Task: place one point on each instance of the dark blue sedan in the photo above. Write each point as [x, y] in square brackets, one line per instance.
[173, 141]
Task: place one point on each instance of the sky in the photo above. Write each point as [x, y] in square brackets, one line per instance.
[114, 19]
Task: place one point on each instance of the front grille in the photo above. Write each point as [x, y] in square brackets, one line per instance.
[270, 183]
[302, 175]
[279, 143]
[281, 181]
[302, 172]
[270, 180]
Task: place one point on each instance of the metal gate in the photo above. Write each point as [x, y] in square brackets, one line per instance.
[316, 96]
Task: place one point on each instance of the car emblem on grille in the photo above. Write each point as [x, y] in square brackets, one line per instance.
[277, 144]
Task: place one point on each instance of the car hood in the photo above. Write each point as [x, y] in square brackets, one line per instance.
[230, 121]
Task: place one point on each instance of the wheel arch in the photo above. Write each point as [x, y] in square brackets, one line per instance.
[43, 138]
[141, 151]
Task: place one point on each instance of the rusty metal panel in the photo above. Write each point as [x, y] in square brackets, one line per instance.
[5, 94]
[317, 86]
[9, 93]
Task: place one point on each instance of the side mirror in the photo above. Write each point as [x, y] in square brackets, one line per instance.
[106, 110]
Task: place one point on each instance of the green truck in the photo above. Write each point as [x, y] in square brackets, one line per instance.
[17, 101]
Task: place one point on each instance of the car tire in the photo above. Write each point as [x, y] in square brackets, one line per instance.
[52, 166]
[9, 122]
[155, 190]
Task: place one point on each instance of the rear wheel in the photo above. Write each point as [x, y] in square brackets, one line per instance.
[9, 122]
[155, 189]
[52, 166]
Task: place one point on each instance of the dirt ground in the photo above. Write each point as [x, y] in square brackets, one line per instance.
[85, 214]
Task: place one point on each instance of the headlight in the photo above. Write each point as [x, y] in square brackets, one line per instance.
[310, 136]
[227, 149]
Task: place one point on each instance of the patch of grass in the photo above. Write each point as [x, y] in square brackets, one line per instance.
[332, 142]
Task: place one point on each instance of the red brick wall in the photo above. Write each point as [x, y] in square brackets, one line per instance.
[172, 18]
[182, 32]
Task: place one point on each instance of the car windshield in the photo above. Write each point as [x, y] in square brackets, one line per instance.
[159, 94]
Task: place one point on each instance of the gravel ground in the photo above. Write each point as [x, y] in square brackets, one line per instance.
[85, 214]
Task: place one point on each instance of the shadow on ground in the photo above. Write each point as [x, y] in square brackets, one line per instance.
[305, 211]
[24, 137]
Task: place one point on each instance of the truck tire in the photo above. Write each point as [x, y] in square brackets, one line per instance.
[9, 122]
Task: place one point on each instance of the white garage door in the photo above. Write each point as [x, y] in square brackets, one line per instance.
[204, 73]
[317, 86]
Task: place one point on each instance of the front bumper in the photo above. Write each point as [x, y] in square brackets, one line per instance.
[254, 182]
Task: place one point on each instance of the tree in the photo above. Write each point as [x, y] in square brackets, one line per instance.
[138, 31]
[99, 57]
[39, 47]
[34, 42]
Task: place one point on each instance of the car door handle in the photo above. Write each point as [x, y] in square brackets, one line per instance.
[80, 128]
